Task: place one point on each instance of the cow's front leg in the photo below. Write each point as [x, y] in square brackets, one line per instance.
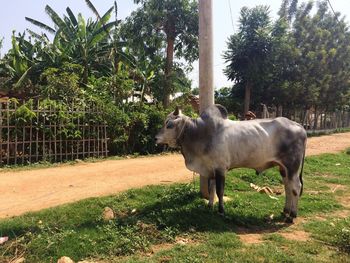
[295, 186]
[287, 204]
[293, 189]
[220, 185]
[211, 185]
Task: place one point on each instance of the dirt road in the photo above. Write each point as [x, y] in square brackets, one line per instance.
[23, 191]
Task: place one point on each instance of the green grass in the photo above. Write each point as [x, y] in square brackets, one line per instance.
[317, 133]
[161, 215]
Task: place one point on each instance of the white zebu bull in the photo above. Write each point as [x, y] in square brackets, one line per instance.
[213, 144]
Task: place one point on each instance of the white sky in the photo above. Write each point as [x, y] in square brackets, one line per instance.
[12, 15]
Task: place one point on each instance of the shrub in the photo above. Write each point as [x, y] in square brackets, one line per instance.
[132, 129]
[342, 239]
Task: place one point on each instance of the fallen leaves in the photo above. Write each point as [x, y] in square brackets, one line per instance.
[265, 190]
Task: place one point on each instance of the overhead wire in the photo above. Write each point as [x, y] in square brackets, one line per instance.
[335, 15]
[229, 4]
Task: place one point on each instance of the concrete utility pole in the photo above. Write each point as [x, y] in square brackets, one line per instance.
[206, 82]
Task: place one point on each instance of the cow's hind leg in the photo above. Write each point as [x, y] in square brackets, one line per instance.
[211, 185]
[220, 185]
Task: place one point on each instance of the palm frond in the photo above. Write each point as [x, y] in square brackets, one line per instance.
[54, 16]
[23, 78]
[116, 12]
[59, 22]
[105, 18]
[92, 8]
[40, 24]
[100, 33]
[42, 38]
[127, 59]
[72, 16]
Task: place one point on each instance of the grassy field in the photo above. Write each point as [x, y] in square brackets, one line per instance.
[173, 224]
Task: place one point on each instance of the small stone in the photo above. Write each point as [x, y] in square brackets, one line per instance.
[3, 240]
[108, 214]
[65, 260]
[133, 211]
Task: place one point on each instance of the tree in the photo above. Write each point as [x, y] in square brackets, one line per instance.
[1, 40]
[164, 29]
[249, 51]
[19, 67]
[81, 42]
[322, 43]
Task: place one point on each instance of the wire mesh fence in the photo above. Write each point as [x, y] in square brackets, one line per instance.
[47, 130]
[311, 119]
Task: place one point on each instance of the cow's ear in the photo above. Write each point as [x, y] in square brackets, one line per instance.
[177, 111]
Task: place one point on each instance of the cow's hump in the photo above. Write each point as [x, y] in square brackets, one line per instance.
[216, 111]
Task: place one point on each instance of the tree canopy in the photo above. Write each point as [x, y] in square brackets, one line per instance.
[157, 32]
[299, 61]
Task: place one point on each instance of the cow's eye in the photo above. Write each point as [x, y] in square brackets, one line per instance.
[169, 125]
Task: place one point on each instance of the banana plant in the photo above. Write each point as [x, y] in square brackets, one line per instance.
[84, 42]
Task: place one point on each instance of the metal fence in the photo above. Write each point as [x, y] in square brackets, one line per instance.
[310, 119]
[36, 131]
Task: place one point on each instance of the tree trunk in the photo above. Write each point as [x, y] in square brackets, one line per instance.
[85, 75]
[248, 88]
[279, 111]
[305, 118]
[315, 119]
[168, 70]
[86, 69]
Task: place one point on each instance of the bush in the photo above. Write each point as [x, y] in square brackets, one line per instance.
[132, 129]
[232, 117]
[342, 239]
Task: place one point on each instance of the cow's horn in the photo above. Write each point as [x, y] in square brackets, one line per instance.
[177, 111]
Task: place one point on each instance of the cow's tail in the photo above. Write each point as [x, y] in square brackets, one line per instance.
[301, 172]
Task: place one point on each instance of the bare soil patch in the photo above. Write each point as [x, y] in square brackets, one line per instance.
[33, 190]
[297, 235]
[251, 238]
[328, 144]
[345, 201]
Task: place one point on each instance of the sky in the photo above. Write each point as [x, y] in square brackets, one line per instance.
[225, 21]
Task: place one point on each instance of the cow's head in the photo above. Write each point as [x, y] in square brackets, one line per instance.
[172, 129]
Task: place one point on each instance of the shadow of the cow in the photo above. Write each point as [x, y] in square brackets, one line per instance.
[187, 212]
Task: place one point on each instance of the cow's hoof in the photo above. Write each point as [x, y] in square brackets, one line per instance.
[221, 212]
[293, 214]
[286, 211]
[288, 220]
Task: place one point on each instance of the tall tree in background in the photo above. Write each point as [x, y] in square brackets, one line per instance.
[249, 50]
[164, 28]
[323, 55]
